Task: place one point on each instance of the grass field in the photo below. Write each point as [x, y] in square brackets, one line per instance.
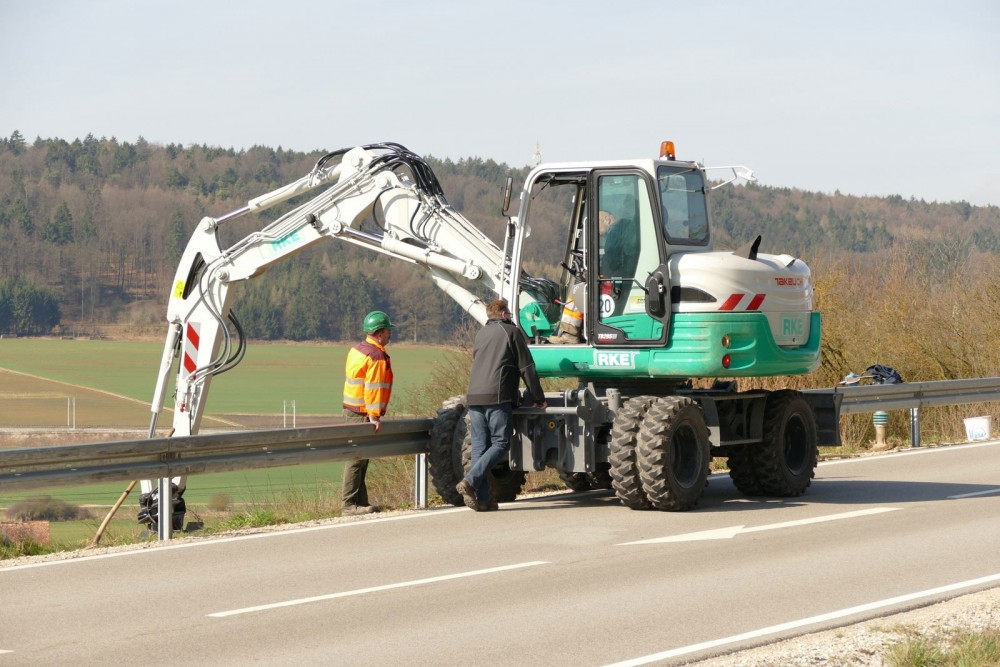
[111, 385]
[269, 375]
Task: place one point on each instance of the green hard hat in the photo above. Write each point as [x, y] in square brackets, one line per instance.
[376, 320]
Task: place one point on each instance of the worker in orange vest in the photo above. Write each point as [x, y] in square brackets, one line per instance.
[367, 388]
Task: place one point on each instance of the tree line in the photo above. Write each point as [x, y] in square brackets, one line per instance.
[94, 229]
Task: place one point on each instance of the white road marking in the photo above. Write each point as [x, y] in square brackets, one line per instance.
[732, 531]
[792, 625]
[375, 589]
[912, 451]
[988, 492]
[155, 547]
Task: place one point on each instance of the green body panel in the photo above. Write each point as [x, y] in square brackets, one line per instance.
[694, 350]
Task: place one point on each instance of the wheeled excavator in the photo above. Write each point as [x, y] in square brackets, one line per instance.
[633, 303]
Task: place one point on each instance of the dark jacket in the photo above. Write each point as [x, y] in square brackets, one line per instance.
[500, 358]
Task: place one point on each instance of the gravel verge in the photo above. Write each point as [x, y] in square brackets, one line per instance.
[867, 643]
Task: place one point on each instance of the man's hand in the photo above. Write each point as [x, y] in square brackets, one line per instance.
[542, 405]
[378, 424]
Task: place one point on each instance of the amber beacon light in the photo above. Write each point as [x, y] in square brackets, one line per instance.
[667, 150]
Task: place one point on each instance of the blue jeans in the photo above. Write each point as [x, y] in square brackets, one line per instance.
[490, 427]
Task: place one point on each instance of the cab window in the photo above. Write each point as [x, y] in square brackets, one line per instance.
[682, 205]
[629, 251]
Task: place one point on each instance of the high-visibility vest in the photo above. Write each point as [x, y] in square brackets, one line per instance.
[368, 382]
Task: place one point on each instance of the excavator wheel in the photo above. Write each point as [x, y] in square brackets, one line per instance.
[601, 477]
[149, 509]
[785, 462]
[741, 470]
[505, 483]
[742, 462]
[673, 453]
[575, 481]
[625, 478]
[578, 482]
[448, 431]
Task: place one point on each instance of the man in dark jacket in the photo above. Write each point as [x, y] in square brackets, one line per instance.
[500, 359]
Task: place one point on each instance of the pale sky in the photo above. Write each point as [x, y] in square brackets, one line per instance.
[861, 96]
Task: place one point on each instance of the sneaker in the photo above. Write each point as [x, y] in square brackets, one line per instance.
[468, 494]
[356, 510]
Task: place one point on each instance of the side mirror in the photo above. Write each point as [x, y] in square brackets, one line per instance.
[657, 294]
[507, 190]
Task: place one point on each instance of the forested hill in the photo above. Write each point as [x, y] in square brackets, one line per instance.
[94, 228]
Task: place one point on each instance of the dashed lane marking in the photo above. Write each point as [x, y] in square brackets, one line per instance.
[374, 589]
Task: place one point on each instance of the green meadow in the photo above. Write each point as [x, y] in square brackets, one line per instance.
[112, 383]
[269, 375]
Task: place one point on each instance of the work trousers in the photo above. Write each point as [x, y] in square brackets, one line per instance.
[490, 427]
[355, 489]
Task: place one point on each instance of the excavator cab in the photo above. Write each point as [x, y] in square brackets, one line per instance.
[610, 249]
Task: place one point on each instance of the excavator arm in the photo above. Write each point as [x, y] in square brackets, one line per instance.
[382, 182]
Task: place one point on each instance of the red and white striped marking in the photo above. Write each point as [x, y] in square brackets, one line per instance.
[735, 299]
[192, 338]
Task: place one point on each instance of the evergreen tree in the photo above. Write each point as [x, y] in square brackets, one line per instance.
[177, 237]
[59, 228]
[304, 316]
[88, 230]
[261, 318]
[19, 216]
[26, 309]
[16, 143]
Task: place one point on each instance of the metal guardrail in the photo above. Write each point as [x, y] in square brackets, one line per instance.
[913, 396]
[158, 458]
[161, 458]
[872, 397]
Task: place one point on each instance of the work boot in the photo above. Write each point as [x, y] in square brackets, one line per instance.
[468, 494]
[565, 339]
[356, 510]
[491, 506]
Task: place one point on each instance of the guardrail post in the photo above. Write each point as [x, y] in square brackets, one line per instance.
[915, 427]
[71, 412]
[284, 413]
[165, 512]
[420, 482]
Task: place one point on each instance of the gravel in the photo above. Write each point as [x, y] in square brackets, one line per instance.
[867, 643]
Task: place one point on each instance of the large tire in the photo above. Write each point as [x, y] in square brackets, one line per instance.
[575, 481]
[742, 471]
[448, 432]
[673, 453]
[601, 477]
[743, 462]
[624, 468]
[785, 462]
[599, 480]
[505, 483]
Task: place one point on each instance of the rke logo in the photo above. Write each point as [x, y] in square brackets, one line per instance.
[614, 359]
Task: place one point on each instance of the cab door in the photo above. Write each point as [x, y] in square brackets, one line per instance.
[631, 286]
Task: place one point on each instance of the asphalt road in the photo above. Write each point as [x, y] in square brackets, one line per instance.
[558, 580]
